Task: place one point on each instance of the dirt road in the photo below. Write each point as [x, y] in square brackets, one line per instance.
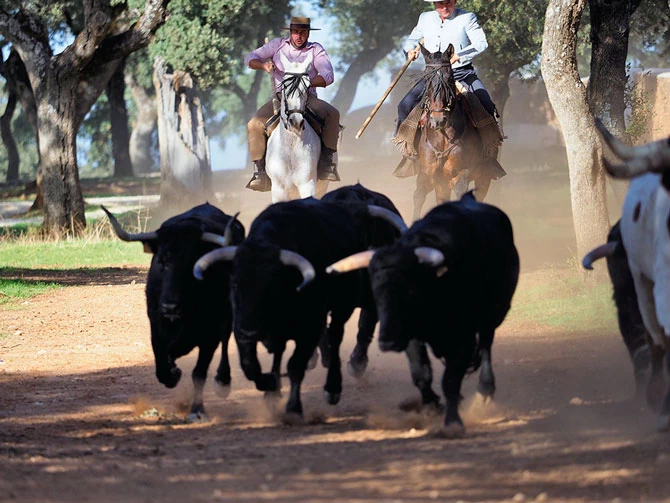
[82, 418]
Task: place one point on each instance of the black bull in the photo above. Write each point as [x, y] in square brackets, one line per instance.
[376, 232]
[185, 313]
[448, 281]
[280, 291]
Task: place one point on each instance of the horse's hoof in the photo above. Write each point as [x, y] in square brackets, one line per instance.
[663, 423]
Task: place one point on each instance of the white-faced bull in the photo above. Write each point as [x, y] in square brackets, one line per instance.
[185, 313]
[374, 233]
[448, 281]
[280, 291]
[645, 233]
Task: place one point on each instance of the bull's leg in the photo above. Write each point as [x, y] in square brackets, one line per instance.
[333, 386]
[358, 361]
[423, 187]
[664, 416]
[296, 367]
[167, 372]
[222, 377]
[457, 364]
[199, 376]
[276, 372]
[252, 367]
[324, 348]
[422, 372]
[656, 387]
[487, 381]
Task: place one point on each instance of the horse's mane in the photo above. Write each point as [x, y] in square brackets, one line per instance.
[435, 81]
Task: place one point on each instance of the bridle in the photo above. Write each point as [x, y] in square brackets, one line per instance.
[449, 90]
[434, 71]
[291, 84]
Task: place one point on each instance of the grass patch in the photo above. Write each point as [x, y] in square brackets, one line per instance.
[71, 254]
[15, 289]
[565, 299]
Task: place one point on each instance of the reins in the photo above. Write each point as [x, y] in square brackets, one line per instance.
[291, 85]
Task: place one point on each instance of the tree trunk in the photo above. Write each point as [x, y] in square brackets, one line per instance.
[63, 201]
[141, 139]
[13, 159]
[118, 118]
[568, 98]
[610, 28]
[186, 173]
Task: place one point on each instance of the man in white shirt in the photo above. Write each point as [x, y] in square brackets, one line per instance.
[443, 26]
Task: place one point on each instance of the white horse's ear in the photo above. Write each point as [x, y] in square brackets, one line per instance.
[284, 61]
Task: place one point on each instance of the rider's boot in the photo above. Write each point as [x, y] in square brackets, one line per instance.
[260, 181]
[326, 169]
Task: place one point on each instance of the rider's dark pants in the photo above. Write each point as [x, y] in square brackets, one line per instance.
[465, 75]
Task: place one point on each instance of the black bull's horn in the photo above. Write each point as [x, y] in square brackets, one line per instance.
[393, 218]
[425, 255]
[126, 236]
[597, 253]
[147, 237]
[286, 257]
[652, 157]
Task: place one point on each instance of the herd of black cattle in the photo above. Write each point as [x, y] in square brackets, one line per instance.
[305, 265]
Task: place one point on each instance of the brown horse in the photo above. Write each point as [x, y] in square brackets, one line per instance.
[449, 146]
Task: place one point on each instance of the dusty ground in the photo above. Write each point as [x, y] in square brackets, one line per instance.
[82, 417]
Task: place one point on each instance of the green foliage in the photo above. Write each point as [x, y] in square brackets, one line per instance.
[360, 25]
[210, 39]
[514, 33]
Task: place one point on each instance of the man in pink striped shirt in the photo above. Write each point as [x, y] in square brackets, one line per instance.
[295, 48]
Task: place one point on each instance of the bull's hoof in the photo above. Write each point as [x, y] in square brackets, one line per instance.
[332, 398]
[311, 364]
[197, 417]
[356, 368]
[267, 382]
[222, 389]
[172, 379]
[486, 390]
[451, 430]
[293, 419]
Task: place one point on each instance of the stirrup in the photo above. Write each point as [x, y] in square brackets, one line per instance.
[260, 182]
[328, 173]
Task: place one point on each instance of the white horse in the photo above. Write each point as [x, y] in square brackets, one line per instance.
[294, 148]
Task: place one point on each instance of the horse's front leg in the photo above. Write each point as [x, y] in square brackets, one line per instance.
[423, 187]
[307, 189]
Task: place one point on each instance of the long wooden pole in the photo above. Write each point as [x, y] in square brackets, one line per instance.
[388, 91]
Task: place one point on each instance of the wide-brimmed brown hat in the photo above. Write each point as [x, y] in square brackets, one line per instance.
[300, 23]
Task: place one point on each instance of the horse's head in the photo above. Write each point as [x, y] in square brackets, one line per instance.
[294, 92]
[440, 94]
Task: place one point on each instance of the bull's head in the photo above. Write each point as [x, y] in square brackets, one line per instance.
[653, 157]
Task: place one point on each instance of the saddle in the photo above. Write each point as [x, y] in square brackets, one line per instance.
[486, 126]
[314, 120]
